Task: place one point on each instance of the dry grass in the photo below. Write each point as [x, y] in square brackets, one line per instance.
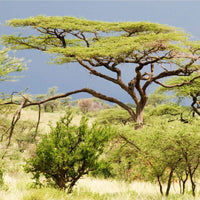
[46, 118]
[86, 189]
[20, 188]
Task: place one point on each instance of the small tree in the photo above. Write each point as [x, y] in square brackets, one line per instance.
[68, 152]
[85, 105]
[50, 105]
[167, 151]
[156, 99]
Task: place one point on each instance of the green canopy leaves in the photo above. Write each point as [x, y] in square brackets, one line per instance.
[87, 39]
[187, 89]
[9, 64]
[73, 24]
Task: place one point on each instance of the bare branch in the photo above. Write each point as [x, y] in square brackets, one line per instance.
[81, 36]
[96, 73]
[15, 119]
[117, 81]
[90, 91]
[26, 103]
[38, 122]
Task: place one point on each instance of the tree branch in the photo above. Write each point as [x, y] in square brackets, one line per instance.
[38, 122]
[82, 37]
[193, 103]
[177, 85]
[96, 73]
[93, 93]
[15, 119]
[117, 81]
[26, 103]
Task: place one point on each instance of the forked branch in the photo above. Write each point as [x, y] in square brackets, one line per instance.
[177, 85]
[26, 103]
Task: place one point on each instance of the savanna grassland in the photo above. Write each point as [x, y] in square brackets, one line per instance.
[88, 149]
[125, 181]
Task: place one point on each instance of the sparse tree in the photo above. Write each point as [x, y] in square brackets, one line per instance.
[85, 105]
[50, 104]
[156, 99]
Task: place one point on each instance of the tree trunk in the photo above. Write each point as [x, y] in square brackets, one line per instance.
[192, 182]
[160, 185]
[169, 182]
[60, 181]
[184, 182]
[139, 116]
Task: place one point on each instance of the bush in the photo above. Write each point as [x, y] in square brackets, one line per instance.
[68, 152]
[114, 115]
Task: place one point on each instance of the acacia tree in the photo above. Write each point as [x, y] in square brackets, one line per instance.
[164, 152]
[156, 51]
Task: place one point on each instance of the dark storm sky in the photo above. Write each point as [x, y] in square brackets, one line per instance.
[40, 76]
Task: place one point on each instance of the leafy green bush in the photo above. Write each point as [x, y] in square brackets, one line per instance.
[103, 170]
[167, 109]
[68, 152]
[113, 115]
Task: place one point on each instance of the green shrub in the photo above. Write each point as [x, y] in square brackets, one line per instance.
[68, 152]
[113, 115]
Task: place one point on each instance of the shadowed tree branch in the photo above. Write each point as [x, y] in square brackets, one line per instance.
[27, 103]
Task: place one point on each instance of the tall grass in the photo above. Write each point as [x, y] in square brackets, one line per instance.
[20, 187]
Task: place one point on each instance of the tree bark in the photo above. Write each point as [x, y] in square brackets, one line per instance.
[184, 182]
[169, 182]
[192, 181]
[160, 185]
[140, 114]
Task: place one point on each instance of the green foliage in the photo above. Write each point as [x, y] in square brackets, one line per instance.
[122, 159]
[9, 64]
[72, 23]
[155, 99]
[163, 148]
[68, 152]
[190, 89]
[97, 44]
[185, 90]
[114, 115]
[3, 185]
[104, 169]
[167, 109]
[1, 178]
[112, 40]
